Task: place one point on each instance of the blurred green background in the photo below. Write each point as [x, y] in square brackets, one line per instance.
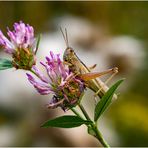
[128, 115]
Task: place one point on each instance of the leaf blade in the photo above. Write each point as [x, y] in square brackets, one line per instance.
[105, 100]
[5, 64]
[37, 44]
[67, 121]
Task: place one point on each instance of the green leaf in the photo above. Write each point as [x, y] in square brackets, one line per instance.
[5, 64]
[68, 121]
[105, 100]
[38, 42]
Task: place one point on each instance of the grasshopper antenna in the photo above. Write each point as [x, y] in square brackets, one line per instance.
[65, 36]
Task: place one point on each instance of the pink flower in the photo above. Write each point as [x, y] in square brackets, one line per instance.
[21, 37]
[21, 44]
[60, 81]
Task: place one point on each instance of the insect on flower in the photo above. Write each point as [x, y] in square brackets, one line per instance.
[79, 68]
[21, 45]
[65, 86]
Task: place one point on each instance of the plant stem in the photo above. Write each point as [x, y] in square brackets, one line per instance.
[94, 127]
[99, 136]
[84, 112]
[76, 113]
[34, 72]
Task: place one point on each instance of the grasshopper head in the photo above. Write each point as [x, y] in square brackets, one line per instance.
[69, 54]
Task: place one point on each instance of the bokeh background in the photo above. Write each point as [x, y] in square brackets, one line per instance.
[104, 33]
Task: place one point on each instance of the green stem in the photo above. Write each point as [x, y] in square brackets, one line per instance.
[76, 113]
[99, 136]
[84, 112]
[94, 127]
[34, 72]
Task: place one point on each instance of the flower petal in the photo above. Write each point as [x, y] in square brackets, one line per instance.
[41, 87]
[40, 75]
[8, 46]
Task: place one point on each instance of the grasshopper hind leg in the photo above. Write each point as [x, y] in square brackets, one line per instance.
[115, 71]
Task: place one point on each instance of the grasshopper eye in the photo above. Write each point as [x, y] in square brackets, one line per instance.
[65, 59]
[71, 50]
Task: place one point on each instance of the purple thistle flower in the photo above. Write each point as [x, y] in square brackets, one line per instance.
[20, 45]
[60, 81]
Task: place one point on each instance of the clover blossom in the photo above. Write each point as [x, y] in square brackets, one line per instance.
[20, 45]
[66, 87]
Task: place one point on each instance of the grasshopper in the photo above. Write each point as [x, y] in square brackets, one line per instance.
[79, 68]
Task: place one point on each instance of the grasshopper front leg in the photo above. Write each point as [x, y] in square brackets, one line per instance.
[92, 67]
